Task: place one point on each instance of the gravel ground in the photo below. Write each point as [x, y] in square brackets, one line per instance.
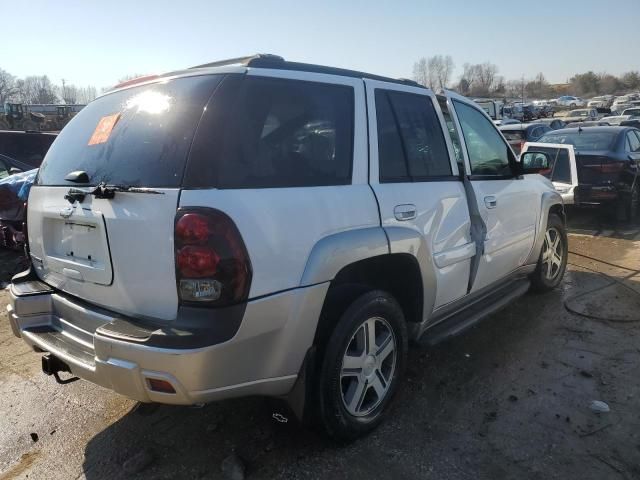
[509, 399]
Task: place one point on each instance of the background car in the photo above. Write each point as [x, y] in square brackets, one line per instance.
[634, 112]
[27, 147]
[517, 135]
[581, 115]
[615, 119]
[606, 159]
[589, 123]
[600, 102]
[553, 123]
[569, 101]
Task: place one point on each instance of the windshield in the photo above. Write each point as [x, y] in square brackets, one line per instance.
[137, 136]
[582, 140]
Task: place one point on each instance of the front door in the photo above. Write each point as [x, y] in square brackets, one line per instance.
[508, 203]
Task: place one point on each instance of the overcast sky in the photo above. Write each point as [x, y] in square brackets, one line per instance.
[92, 42]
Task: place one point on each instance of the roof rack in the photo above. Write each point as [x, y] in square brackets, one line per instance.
[267, 60]
[248, 61]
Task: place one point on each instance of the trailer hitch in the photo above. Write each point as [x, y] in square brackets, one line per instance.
[52, 365]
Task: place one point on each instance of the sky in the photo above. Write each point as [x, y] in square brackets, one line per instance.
[97, 42]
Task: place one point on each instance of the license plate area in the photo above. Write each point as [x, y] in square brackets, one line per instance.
[77, 247]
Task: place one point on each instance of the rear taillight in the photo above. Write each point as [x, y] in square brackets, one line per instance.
[614, 167]
[212, 264]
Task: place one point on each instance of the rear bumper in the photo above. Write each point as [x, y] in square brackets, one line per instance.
[595, 194]
[262, 358]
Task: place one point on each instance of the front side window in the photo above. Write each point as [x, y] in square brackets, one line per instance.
[411, 144]
[274, 133]
[488, 153]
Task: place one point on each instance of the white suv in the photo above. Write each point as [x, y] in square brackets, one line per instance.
[274, 228]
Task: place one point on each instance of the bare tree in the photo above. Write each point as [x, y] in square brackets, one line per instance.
[7, 86]
[421, 72]
[87, 94]
[486, 76]
[69, 93]
[38, 89]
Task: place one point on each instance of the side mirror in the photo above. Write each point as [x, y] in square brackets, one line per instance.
[14, 170]
[534, 162]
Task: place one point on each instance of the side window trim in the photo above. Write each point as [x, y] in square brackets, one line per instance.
[463, 142]
[374, 159]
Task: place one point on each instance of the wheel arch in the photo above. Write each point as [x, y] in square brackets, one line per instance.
[551, 202]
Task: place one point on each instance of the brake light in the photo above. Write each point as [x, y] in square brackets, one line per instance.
[615, 167]
[212, 263]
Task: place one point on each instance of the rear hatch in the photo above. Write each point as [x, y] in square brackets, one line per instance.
[118, 252]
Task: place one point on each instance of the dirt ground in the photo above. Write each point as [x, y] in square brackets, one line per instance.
[509, 399]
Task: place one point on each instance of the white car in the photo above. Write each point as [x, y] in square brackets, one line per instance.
[563, 171]
[264, 227]
[615, 119]
[572, 102]
[598, 102]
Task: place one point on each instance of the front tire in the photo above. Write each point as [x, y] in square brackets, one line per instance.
[362, 365]
[553, 256]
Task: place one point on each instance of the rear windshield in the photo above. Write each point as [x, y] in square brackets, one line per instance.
[138, 136]
[513, 135]
[582, 140]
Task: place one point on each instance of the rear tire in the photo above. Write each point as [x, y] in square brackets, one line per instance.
[627, 208]
[362, 365]
[553, 256]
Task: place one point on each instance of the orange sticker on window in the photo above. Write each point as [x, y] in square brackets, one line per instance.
[104, 128]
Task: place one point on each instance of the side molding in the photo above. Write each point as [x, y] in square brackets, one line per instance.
[336, 251]
[549, 199]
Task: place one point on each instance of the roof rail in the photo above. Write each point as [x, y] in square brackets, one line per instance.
[249, 61]
[412, 83]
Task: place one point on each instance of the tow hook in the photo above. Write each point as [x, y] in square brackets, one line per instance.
[52, 365]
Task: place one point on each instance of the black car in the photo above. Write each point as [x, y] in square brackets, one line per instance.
[607, 162]
[26, 147]
[553, 123]
[519, 133]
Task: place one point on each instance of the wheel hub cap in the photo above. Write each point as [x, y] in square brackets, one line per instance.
[552, 254]
[368, 365]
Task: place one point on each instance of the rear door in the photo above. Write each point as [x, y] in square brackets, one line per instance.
[118, 252]
[508, 204]
[563, 172]
[415, 178]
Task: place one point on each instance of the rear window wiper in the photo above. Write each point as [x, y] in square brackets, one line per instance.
[104, 190]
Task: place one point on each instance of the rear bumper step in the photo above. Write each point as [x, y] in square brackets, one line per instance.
[114, 352]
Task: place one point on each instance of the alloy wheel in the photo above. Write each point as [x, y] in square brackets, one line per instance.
[552, 253]
[368, 366]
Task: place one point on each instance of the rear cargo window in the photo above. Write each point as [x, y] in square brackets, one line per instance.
[147, 145]
[273, 133]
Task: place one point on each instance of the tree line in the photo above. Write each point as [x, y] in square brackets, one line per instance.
[482, 79]
[36, 89]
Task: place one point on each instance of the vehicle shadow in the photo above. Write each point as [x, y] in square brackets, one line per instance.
[487, 402]
[11, 262]
[600, 221]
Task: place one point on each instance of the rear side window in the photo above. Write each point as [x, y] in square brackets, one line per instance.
[152, 129]
[274, 133]
[411, 144]
[513, 135]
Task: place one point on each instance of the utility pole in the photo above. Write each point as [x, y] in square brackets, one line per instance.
[64, 92]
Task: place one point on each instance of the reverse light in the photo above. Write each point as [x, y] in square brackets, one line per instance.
[212, 263]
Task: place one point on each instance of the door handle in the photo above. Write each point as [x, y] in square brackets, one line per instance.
[405, 212]
[491, 201]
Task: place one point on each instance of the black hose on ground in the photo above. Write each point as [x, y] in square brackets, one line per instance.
[612, 281]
